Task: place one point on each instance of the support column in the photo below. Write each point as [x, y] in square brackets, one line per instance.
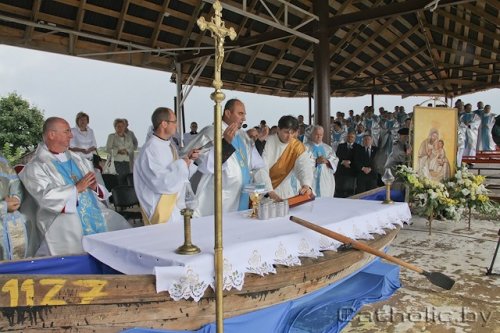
[322, 69]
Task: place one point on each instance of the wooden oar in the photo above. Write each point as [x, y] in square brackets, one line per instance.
[439, 279]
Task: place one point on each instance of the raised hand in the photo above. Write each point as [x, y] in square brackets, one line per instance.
[230, 132]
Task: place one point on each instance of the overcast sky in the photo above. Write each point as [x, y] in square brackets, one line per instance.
[63, 85]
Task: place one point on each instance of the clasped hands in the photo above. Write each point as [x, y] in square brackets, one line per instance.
[87, 181]
[321, 160]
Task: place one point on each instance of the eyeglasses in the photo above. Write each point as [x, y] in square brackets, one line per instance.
[171, 121]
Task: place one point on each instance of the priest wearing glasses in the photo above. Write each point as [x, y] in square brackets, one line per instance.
[160, 174]
[240, 161]
[69, 200]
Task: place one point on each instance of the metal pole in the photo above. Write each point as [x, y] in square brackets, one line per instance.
[490, 270]
[219, 33]
[309, 95]
[178, 106]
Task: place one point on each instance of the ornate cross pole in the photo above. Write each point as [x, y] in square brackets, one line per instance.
[219, 32]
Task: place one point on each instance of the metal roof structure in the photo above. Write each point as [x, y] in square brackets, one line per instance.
[418, 47]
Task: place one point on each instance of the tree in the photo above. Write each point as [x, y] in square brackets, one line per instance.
[20, 124]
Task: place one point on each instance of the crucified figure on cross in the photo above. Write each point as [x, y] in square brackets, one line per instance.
[219, 32]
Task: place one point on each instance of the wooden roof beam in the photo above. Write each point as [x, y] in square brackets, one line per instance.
[156, 32]
[433, 53]
[393, 65]
[462, 38]
[393, 45]
[468, 23]
[361, 47]
[34, 17]
[395, 9]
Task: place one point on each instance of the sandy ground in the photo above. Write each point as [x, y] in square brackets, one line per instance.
[473, 304]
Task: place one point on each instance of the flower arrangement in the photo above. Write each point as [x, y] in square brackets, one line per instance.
[469, 190]
[451, 199]
[428, 197]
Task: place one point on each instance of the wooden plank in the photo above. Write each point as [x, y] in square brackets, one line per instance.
[109, 303]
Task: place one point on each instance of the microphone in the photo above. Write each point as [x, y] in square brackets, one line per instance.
[244, 125]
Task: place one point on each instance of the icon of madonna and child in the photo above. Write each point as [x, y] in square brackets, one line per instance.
[432, 160]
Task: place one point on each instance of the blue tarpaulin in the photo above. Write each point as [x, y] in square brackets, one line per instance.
[80, 264]
[396, 195]
[327, 310]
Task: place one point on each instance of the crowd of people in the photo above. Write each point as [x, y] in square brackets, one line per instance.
[65, 199]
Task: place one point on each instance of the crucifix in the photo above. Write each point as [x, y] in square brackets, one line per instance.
[219, 32]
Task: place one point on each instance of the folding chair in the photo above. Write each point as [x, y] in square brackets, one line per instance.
[124, 198]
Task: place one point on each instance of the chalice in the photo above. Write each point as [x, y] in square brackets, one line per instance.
[255, 192]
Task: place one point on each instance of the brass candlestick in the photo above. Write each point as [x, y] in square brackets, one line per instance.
[388, 179]
[188, 247]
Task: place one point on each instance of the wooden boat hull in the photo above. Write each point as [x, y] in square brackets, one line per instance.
[110, 303]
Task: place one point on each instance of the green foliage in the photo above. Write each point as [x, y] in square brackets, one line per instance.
[12, 154]
[20, 123]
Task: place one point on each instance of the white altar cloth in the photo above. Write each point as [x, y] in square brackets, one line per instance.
[250, 245]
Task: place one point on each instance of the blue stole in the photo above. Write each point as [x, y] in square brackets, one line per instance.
[90, 214]
[389, 124]
[368, 122]
[317, 151]
[241, 156]
[336, 136]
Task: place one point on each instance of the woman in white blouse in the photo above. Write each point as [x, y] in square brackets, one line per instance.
[83, 142]
[120, 146]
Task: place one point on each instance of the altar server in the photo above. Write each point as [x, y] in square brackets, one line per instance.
[240, 160]
[69, 200]
[326, 163]
[160, 175]
[291, 166]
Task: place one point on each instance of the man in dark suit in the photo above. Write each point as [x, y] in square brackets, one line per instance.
[345, 177]
[364, 164]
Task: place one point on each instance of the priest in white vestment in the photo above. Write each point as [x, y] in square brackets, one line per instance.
[290, 165]
[69, 200]
[241, 161]
[326, 163]
[485, 139]
[160, 175]
[469, 125]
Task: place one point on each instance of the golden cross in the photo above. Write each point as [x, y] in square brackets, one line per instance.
[219, 32]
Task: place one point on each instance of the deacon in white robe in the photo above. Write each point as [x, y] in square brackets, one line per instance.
[241, 162]
[485, 138]
[68, 198]
[326, 163]
[469, 124]
[160, 176]
[290, 165]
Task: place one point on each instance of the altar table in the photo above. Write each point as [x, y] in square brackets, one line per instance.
[250, 245]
